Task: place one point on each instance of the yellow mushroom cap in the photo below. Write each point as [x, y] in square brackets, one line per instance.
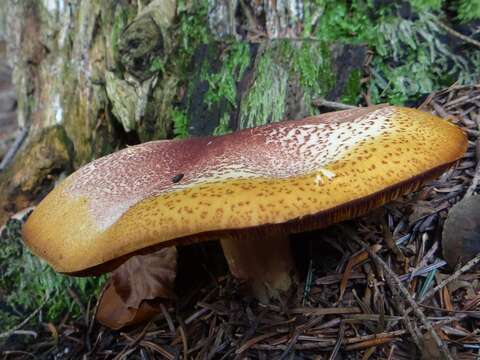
[297, 174]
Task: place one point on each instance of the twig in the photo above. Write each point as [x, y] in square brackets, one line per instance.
[399, 305]
[183, 336]
[159, 349]
[77, 301]
[18, 216]
[95, 309]
[325, 343]
[32, 333]
[338, 344]
[395, 284]
[414, 332]
[456, 33]
[18, 352]
[196, 315]
[123, 354]
[308, 282]
[453, 311]
[447, 281]
[383, 335]
[26, 320]
[332, 104]
[168, 318]
[310, 311]
[249, 343]
[88, 310]
[291, 343]
[12, 151]
[393, 281]
[451, 278]
[476, 178]
[368, 344]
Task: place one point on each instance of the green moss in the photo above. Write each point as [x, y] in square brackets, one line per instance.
[180, 123]
[411, 61]
[468, 10]
[303, 64]
[312, 61]
[349, 22]
[223, 126]
[265, 100]
[191, 32]
[157, 65]
[27, 281]
[422, 5]
[410, 56]
[223, 84]
[119, 23]
[352, 88]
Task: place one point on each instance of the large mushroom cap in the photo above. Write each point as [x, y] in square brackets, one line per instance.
[302, 174]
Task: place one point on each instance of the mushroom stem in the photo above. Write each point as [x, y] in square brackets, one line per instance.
[263, 259]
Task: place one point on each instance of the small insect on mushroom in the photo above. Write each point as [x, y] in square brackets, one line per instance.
[177, 178]
[250, 189]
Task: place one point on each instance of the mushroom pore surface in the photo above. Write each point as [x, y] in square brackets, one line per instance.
[312, 172]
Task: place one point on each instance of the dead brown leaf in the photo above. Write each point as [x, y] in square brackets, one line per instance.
[136, 288]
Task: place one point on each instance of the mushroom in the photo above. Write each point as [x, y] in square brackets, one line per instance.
[250, 189]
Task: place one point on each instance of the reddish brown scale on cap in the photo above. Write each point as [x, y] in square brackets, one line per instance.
[303, 174]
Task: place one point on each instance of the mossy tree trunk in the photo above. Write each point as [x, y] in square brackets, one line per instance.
[93, 76]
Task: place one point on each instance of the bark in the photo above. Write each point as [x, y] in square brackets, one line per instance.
[8, 100]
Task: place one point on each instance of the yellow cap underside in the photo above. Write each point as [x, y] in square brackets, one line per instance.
[242, 203]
